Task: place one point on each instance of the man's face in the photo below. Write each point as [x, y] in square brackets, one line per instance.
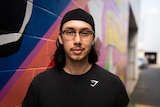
[77, 39]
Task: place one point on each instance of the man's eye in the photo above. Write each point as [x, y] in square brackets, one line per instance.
[70, 32]
[85, 33]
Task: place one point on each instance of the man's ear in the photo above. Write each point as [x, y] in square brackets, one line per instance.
[60, 39]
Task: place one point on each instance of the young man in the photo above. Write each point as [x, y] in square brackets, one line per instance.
[75, 80]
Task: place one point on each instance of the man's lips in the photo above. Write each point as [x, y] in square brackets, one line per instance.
[77, 50]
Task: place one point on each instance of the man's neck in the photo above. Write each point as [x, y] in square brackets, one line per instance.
[77, 68]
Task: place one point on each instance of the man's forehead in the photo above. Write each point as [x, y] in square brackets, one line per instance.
[73, 24]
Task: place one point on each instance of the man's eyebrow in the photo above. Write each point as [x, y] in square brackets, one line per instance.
[69, 28]
[84, 29]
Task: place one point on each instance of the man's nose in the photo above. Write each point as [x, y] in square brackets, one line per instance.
[77, 37]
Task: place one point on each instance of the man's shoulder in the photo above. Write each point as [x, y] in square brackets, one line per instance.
[102, 70]
[104, 73]
[48, 73]
[108, 78]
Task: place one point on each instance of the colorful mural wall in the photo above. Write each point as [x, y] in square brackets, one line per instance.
[28, 32]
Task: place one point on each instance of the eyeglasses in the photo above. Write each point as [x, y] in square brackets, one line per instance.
[71, 34]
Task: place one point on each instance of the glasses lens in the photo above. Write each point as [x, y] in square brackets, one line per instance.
[85, 35]
[70, 34]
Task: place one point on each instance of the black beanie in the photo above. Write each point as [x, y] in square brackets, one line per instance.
[78, 14]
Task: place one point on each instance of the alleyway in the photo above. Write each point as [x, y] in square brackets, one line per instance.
[147, 90]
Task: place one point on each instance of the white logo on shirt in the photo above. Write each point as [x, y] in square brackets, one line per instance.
[94, 82]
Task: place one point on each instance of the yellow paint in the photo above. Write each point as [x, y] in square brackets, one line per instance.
[141, 105]
[115, 34]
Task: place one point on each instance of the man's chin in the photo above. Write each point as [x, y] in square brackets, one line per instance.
[78, 59]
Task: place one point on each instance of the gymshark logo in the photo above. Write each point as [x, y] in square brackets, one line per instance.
[94, 82]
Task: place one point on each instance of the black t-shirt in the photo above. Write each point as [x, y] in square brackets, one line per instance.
[96, 88]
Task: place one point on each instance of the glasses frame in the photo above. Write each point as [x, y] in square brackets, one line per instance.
[70, 34]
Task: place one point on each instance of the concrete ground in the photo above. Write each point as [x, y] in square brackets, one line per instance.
[147, 89]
